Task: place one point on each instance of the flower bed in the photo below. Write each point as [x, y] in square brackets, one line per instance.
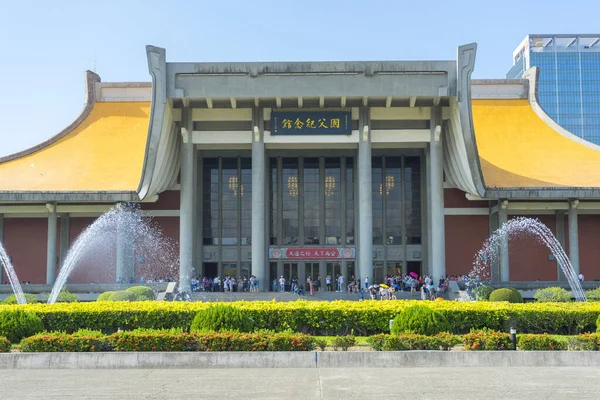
[4, 345]
[322, 318]
[167, 341]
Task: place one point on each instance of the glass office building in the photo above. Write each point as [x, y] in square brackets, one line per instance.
[569, 81]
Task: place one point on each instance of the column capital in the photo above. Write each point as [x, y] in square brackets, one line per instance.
[573, 203]
[51, 207]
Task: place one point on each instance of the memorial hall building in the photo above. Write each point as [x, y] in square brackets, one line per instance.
[307, 169]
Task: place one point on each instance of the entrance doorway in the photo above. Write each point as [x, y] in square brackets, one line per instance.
[413, 266]
[290, 270]
[311, 269]
[211, 270]
[273, 278]
[394, 268]
[378, 272]
[333, 270]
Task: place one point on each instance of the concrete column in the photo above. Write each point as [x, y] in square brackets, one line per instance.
[1, 241]
[259, 249]
[560, 236]
[51, 249]
[574, 236]
[186, 204]
[504, 255]
[64, 238]
[436, 197]
[365, 206]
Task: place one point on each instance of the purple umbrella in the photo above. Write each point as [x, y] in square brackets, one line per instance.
[414, 274]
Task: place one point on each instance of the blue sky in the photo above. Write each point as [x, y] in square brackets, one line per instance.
[46, 46]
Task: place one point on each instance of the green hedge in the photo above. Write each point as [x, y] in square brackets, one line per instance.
[167, 341]
[12, 299]
[321, 318]
[443, 341]
[552, 295]
[4, 345]
[487, 340]
[421, 320]
[142, 293]
[506, 294]
[15, 324]
[540, 342]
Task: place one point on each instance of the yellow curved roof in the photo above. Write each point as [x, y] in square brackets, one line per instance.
[104, 153]
[518, 149]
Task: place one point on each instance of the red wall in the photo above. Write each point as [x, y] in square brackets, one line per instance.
[589, 246]
[168, 200]
[25, 241]
[465, 235]
[455, 198]
[529, 258]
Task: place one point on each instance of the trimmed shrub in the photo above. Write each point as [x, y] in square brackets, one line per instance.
[587, 342]
[165, 341]
[221, 318]
[482, 293]
[142, 293]
[421, 320]
[4, 345]
[61, 342]
[122, 295]
[598, 324]
[593, 294]
[12, 299]
[130, 341]
[320, 343]
[487, 340]
[506, 294]
[343, 342]
[104, 296]
[539, 342]
[364, 318]
[17, 324]
[553, 295]
[405, 342]
[67, 297]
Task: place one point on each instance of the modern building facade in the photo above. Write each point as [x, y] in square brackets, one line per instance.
[307, 169]
[569, 81]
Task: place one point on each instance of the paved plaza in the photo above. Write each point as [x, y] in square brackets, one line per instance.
[304, 383]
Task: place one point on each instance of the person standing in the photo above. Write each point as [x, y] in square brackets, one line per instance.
[282, 284]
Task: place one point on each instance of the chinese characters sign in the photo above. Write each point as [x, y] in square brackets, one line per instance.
[311, 123]
[304, 253]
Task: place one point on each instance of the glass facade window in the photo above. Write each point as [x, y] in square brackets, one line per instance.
[333, 211]
[316, 182]
[245, 191]
[274, 206]
[290, 192]
[211, 201]
[377, 198]
[227, 201]
[412, 199]
[349, 200]
[311, 201]
[392, 189]
[230, 187]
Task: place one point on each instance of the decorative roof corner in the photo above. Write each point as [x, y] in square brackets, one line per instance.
[91, 78]
[157, 67]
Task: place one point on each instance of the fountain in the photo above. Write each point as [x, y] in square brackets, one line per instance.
[523, 227]
[121, 232]
[12, 276]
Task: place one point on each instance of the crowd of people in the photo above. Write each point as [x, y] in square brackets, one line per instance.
[424, 287]
[227, 284]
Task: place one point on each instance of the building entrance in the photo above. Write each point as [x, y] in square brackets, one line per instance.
[333, 270]
[311, 269]
[211, 270]
[290, 270]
